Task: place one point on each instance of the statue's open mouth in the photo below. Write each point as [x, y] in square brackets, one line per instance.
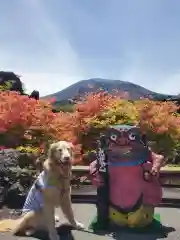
[120, 149]
[124, 150]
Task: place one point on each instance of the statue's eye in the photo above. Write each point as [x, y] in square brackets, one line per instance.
[132, 137]
[113, 137]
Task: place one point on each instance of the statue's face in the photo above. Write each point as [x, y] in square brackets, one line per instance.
[125, 142]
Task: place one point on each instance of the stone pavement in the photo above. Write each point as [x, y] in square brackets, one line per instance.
[85, 212]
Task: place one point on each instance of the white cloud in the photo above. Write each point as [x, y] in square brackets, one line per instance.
[36, 45]
[171, 83]
[168, 84]
[140, 71]
[47, 83]
[35, 48]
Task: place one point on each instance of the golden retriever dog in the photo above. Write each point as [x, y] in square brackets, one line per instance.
[51, 189]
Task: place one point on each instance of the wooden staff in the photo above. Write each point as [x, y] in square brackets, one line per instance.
[103, 191]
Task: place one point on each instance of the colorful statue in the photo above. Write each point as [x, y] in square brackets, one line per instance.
[128, 170]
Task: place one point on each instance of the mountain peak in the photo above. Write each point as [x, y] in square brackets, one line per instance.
[94, 84]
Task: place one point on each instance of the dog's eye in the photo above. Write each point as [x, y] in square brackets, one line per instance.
[69, 149]
[60, 150]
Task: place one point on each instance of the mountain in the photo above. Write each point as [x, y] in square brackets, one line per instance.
[92, 85]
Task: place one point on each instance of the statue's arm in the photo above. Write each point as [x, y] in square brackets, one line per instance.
[95, 176]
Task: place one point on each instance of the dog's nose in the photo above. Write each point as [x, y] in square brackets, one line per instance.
[66, 159]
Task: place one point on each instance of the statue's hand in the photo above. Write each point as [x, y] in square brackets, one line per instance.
[158, 161]
[147, 176]
[155, 171]
[95, 176]
[97, 181]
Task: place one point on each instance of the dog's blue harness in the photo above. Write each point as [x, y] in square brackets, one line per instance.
[34, 200]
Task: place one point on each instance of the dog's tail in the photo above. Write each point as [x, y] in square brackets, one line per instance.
[7, 225]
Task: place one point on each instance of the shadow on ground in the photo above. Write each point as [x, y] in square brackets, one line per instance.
[163, 233]
[65, 233]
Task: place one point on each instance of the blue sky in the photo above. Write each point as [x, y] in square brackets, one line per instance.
[54, 43]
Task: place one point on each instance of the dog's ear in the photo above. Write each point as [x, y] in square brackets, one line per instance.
[71, 146]
[52, 151]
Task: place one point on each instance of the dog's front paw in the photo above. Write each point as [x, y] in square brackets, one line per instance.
[29, 232]
[57, 219]
[78, 225]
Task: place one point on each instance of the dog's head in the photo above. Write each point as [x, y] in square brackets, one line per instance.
[61, 152]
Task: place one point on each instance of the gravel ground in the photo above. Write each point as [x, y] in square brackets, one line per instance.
[85, 212]
[170, 218]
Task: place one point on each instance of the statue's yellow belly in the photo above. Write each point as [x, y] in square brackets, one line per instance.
[139, 218]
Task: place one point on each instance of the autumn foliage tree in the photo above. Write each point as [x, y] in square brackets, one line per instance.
[161, 122]
[26, 121]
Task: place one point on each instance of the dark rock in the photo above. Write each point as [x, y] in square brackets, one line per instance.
[35, 95]
[3, 194]
[17, 173]
[8, 158]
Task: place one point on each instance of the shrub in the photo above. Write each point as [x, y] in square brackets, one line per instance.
[159, 120]
[24, 120]
[27, 122]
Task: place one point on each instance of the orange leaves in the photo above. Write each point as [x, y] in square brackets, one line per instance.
[93, 104]
[160, 117]
[26, 120]
[162, 124]
[22, 110]
[65, 124]
[19, 114]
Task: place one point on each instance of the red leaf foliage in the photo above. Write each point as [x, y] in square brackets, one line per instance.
[26, 120]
